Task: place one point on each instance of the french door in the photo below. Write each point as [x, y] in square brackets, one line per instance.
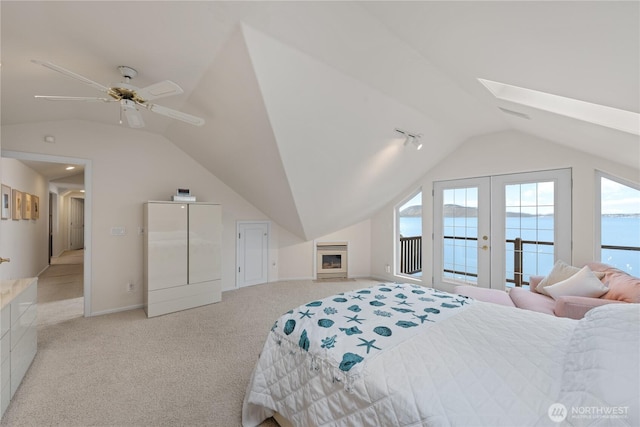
[495, 232]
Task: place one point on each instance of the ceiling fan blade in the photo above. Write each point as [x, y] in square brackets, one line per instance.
[174, 114]
[71, 74]
[134, 118]
[72, 98]
[159, 90]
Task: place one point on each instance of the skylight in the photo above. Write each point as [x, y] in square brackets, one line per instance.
[625, 121]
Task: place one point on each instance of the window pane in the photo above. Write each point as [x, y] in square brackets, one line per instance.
[409, 236]
[620, 226]
[460, 223]
[528, 222]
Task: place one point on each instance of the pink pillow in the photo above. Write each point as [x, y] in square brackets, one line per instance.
[622, 286]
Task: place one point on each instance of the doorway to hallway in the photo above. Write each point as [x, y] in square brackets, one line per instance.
[61, 288]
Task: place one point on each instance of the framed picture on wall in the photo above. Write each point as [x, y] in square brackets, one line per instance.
[26, 206]
[6, 202]
[35, 207]
[16, 205]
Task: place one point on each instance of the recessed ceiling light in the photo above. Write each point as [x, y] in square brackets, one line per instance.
[614, 118]
[70, 168]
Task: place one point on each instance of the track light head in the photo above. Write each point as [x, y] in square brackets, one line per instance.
[411, 138]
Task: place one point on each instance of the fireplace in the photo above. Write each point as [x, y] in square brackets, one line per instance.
[331, 260]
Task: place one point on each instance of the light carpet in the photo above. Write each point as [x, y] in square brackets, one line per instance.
[189, 368]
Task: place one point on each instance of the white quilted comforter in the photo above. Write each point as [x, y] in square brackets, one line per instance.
[487, 365]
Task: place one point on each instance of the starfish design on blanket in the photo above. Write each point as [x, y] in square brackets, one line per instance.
[368, 344]
[423, 318]
[306, 314]
[354, 319]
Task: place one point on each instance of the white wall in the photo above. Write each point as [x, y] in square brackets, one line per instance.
[503, 153]
[24, 241]
[130, 167]
[297, 256]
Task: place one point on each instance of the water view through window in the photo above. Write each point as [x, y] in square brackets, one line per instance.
[410, 236]
[620, 226]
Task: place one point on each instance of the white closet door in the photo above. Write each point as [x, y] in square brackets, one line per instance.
[204, 242]
[167, 248]
[252, 253]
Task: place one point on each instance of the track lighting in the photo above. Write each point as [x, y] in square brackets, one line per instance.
[411, 138]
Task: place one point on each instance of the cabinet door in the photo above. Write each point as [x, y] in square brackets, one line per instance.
[167, 245]
[205, 226]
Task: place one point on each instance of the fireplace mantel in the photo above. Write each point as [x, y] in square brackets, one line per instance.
[331, 260]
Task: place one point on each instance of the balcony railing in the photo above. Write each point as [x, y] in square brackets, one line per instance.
[518, 252]
[411, 256]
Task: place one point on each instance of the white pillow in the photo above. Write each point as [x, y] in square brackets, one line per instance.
[582, 284]
[560, 271]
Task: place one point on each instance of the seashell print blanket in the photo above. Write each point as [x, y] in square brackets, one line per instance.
[348, 329]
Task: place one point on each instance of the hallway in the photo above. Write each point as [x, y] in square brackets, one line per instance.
[61, 289]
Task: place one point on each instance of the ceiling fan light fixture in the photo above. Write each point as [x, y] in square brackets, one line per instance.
[134, 119]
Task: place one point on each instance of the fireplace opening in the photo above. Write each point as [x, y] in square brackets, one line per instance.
[331, 260]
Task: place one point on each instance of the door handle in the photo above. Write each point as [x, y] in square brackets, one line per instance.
[485, 247]
[4, 260]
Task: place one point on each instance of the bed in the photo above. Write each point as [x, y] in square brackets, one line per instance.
[406, 355]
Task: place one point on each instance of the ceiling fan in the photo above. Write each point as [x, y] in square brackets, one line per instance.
[129, 96]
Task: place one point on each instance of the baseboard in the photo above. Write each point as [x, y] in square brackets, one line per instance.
[116, 310]
[292, 279]
[402, 279]
[42, 271]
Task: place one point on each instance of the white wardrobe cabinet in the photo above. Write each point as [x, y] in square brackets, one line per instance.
[182, 255]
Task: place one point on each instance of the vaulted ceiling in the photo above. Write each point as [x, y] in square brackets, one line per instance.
[301, 99]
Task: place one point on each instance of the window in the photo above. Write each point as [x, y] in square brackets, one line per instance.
[619, 224]
[529, 228]
[409, 236]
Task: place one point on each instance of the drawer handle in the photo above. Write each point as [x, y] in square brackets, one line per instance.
[4, 260]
